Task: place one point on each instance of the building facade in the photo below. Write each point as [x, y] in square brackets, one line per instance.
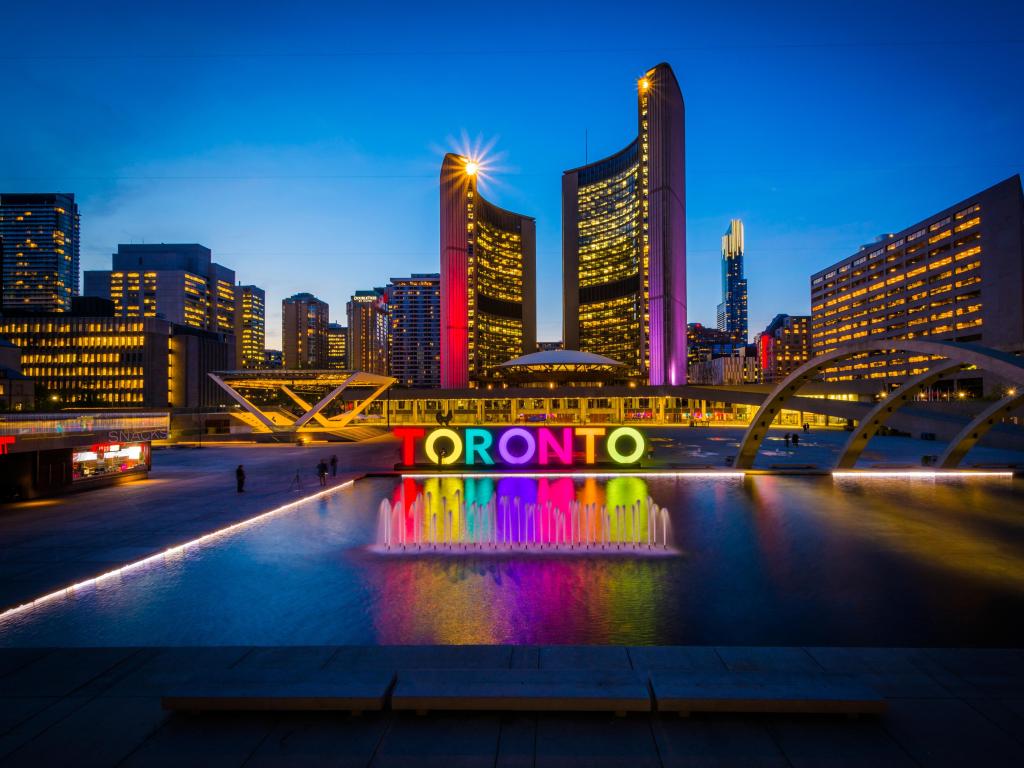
[956, 275]
[178, 282]
[39, 251]
[732, 311]
[304, 321]
[250, 326]
[414, 348]
[488, 279]
[17, 391]
[706, 343]
[337, 346]
[368, 331]
[734, 370]
[624, 243]
[783, 346]
[105, 361]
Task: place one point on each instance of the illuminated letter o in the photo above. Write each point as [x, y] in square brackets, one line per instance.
[638, 442]
[505, 439]
[433, 437]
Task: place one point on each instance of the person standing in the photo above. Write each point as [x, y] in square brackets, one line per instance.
[240, 478]
[787, 441]
[334, 465]
[807, 427]
[321, 471]
[796, 439]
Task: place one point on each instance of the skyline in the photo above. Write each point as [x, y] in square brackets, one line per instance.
[243, 153]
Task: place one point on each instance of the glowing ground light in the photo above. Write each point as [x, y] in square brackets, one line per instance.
[159, 557]
[956, 474]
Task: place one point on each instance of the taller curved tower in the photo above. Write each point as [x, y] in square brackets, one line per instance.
[488, 279]
[624, 243]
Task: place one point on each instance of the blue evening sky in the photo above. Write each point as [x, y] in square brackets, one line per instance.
[302, 141]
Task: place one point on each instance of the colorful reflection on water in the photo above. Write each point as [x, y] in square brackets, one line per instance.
[522, 513]
[764, 560]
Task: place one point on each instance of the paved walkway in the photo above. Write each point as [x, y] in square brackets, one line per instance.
[100, 706]
[50, 543]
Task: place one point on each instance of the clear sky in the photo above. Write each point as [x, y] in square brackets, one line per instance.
[302, 141]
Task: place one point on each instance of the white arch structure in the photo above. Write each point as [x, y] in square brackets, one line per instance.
[957, 355]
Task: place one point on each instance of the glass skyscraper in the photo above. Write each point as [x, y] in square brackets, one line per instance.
[39, 235]
[732, 312]
[624, 243]
[488, 282]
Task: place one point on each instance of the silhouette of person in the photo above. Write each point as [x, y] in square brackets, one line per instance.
[334, 465]
[240, 478]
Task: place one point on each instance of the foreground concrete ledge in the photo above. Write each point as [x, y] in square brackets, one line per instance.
[765, 692]
[533, 690]
[316, 690]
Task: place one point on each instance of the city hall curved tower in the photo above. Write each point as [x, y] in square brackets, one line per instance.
[488, 280]
[624, 243]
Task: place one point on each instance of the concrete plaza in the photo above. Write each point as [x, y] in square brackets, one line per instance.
[101, 706]
[83, 707]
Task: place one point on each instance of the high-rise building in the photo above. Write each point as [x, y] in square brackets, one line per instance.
[273, 358]
[624, 243]
[178, 282]
[704, 343]
[488, 279]
[250, 326]
[957, 275]
[414, 348]
[337, 346]
[304, 320]
[732, 312]
[39, 251]
[783, 346]
[368, 331]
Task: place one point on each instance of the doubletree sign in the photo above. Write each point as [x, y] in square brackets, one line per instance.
[483, 447]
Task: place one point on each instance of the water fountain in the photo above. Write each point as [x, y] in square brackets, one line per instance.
[508, 523]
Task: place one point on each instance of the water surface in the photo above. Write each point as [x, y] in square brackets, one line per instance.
[762, 560]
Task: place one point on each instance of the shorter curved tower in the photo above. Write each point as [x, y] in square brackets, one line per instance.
[488, 280]
[624, 243]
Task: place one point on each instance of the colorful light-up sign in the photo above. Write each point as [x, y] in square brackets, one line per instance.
[522, 447]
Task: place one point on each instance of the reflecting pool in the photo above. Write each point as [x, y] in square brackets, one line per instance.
[758, 560]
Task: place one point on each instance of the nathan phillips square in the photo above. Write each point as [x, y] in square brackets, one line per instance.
[524, 384]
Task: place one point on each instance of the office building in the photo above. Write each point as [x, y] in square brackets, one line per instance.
[337, 346]
[733, 370]
[956, 275]
[87, 357]
[732, 311]
[414, 348]
[488, 279]
[304, 320]
[706, 343]
[250, 326]
[178, 282]
[368, 331]
[273, 358]
[17, 391]
[624, 243]
[39, 251]
[783, 346]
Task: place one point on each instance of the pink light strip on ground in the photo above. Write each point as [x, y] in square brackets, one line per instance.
[206, 538]
[723, 474]
[910, 473]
